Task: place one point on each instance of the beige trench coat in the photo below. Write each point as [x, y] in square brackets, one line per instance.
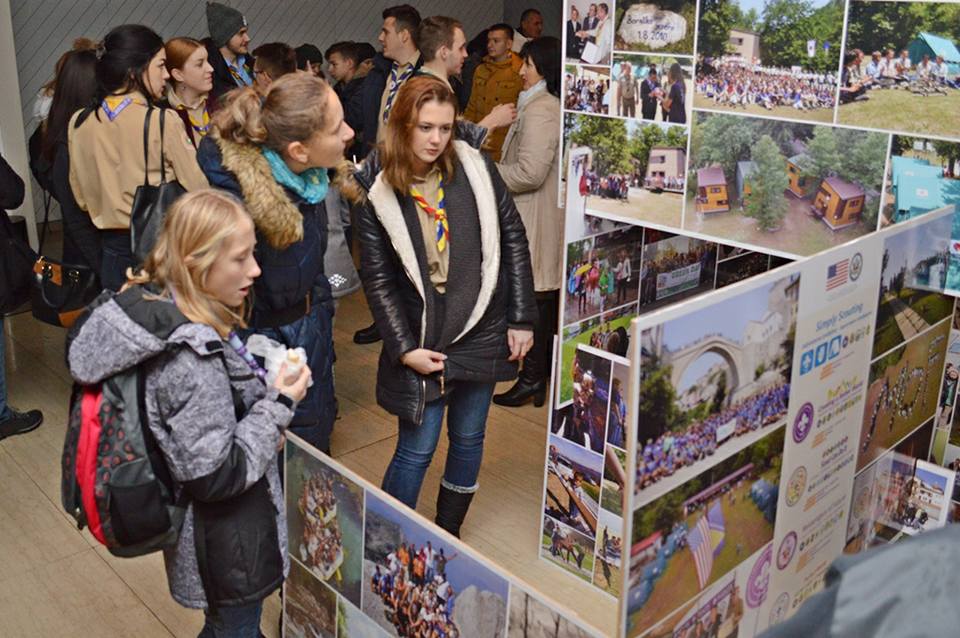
[530, 168]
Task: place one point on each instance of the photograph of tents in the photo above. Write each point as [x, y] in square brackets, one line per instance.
[787, 186]
[923, 175]
[901, 67]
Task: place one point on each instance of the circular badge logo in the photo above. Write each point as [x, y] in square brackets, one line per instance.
[780, 608]
[856, 266]
[796, 486]
[759, 580]
[788, 546]
[803, 422]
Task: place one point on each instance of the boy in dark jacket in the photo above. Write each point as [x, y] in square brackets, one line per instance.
[228, 49]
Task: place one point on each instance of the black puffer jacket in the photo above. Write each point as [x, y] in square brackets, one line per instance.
[489, 289]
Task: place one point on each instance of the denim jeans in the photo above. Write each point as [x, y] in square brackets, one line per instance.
[5, 412]
[468, 404]
[117, 257]
[232, 622]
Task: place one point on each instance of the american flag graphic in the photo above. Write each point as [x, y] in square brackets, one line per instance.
[837, 274]
[706, 540]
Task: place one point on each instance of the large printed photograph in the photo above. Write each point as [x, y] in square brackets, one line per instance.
[901, 67]
[778, 59]
[690, 538]
[713, 382]
[923, 176]
[632, 170]
[786, 186]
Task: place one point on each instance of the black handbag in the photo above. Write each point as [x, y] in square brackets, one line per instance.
[60, 291]
[16, 264]
[150, 203]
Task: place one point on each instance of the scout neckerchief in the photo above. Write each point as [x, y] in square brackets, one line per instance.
[439, 214]
[203, 126]
[241, 349]
[113, 105]
[395, 84]
[239, 72]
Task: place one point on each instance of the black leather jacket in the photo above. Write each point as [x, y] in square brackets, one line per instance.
[400, 310]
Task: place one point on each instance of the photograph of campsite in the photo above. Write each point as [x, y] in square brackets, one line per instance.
[923, 176]
[901, 66]
[713, 382]
[787, 186]
[778, 59]
[693, 536]
[634, 171]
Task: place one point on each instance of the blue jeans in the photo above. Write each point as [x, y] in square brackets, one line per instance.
[232, 622]
[117, 257]
[5, 412]
[313, 420]
[468, 403]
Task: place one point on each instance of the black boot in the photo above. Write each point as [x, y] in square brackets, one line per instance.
[452, 509]
[370, 334]
[535, 373]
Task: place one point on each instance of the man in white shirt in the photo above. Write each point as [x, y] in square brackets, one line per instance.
[531, 28]
[601, 36]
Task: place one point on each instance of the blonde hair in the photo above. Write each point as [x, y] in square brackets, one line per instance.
[293, 110]
[195, 233]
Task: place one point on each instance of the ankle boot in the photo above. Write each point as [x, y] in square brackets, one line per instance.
[535, 373]
[523, 390]
[452, 509]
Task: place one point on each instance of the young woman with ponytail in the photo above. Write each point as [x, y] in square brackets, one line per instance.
[275, 154]
[106, 142]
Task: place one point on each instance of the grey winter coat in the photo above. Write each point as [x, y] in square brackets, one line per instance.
[218, 426]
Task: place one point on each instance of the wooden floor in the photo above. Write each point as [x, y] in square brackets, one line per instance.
[57, 581]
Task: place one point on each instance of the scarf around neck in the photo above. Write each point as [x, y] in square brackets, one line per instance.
[311, 185]
[528, 94]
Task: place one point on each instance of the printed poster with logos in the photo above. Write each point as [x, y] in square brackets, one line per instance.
[358, 558]
[781, 423]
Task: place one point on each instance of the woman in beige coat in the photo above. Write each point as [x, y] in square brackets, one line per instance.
[529, 167]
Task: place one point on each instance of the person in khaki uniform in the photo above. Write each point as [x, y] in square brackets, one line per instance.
[496, 81]
[106, 144]
[529, 167]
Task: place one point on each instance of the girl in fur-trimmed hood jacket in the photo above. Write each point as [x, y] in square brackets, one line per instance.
[446, 270]
[275, 156]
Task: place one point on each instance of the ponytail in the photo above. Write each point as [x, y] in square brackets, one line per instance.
[240, 118]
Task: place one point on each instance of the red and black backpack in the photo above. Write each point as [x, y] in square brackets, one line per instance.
[115, 479]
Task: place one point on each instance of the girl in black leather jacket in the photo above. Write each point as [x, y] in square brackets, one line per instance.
[446, 270]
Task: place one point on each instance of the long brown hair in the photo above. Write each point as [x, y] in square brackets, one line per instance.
[293, 109]
[179, 51]
[195, 233]
[397, 156]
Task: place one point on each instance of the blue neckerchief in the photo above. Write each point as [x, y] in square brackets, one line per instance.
[311, 185]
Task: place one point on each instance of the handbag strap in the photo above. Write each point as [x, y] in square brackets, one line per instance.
[146, 146]
[163, 161]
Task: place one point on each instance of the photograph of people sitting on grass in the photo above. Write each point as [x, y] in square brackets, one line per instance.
[656, 26]
[712, 383]
[902, 392]
[901, 67]
[923, 176]
[609, 332]
[905, 312]
[693, 536]
[769, 57]
[636, 170]
[787, 186]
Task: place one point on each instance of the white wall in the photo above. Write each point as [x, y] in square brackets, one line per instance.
[44, 29]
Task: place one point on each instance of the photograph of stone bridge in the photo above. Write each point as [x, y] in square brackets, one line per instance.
[713, 382]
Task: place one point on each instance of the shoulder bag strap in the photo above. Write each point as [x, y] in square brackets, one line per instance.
[146, 147]
[163, 162]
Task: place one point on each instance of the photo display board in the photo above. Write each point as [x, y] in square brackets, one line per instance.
[705, 143]
[799, 415]
[363, 565]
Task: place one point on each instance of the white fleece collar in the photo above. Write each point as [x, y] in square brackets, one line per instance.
[388, 211]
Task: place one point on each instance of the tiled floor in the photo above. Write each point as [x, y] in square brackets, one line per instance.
[57, 581]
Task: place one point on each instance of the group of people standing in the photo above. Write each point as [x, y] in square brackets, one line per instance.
[460, 254]
[668, 95]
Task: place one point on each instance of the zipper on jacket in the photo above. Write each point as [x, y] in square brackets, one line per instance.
[423, 397]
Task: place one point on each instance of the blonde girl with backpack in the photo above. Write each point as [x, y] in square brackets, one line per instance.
[216, 421]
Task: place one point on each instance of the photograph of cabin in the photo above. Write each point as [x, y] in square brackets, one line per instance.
[712, 194]
[666, 167]
[792, 187]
